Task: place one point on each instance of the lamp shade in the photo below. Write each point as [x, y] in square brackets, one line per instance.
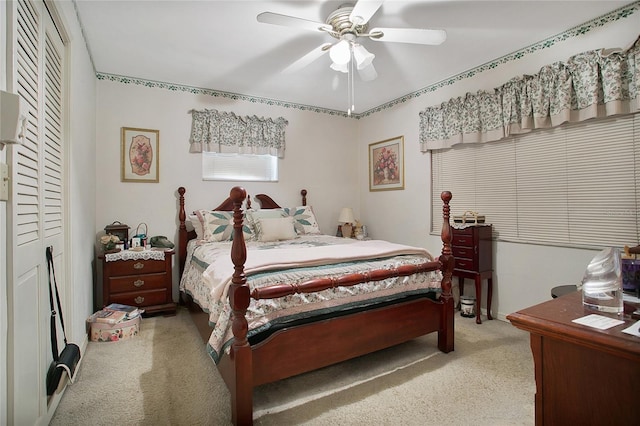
[346, 215]
[362, 56]
[339, 67]
[340, 53]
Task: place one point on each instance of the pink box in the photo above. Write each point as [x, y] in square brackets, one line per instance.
[103, 332]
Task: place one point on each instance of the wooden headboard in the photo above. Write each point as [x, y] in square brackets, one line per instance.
[185, 235]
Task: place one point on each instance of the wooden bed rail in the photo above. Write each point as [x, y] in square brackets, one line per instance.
[319, 284]
[240, 297]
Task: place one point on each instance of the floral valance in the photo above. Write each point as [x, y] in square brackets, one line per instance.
[216, 131]
[596, 83]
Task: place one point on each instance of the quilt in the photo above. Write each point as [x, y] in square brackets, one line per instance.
[208, 272]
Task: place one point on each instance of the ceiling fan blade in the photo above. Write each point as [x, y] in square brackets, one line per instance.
[409, 35]
[291, 21]
[368, 73]
[364, 10]
[307, 59]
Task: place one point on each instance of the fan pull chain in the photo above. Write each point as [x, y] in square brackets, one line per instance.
[350, 88]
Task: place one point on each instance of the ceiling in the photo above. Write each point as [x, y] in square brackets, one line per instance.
[220, 45]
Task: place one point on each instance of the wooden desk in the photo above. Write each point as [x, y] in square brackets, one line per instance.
[583, 375]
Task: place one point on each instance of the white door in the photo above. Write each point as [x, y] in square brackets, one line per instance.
[35, 211]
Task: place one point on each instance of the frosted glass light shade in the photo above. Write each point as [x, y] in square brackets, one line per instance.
[340, 53]
[346, 215]
[362, 56]
[340, 67]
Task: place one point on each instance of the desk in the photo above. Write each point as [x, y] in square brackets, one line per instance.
[583, 375]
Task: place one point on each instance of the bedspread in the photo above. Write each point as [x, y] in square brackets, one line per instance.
[209, 269]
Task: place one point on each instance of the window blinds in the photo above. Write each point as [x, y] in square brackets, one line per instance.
[576, 185]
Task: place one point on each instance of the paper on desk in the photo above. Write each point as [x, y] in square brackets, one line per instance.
[633, 329]
[598, 321]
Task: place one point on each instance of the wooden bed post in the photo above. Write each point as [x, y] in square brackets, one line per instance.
[182, 233]
[241, 382]
[446, 333]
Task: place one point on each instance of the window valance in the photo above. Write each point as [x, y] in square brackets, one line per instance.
[596, 83]
[215, 131]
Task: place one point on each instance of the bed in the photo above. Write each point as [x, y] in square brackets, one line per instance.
[283, 303]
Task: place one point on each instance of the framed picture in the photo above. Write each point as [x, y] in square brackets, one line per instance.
[386, 164]
[140, 155]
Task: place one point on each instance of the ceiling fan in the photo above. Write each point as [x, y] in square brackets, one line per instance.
[349, 24]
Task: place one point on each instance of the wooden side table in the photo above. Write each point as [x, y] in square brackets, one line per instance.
[147, 284]
[584, 376]
[473, 250]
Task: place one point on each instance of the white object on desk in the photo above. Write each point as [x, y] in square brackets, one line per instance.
[598, 321]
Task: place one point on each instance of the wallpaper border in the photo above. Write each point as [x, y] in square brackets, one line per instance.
[615, 15]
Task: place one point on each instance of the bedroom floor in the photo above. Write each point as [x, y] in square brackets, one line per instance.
[164, 377]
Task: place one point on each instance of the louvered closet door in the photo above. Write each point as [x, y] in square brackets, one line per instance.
[36, 209]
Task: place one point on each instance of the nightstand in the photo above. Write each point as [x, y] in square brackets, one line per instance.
[473, 250]
[136, 279]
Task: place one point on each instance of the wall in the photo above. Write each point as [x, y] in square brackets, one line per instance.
[81, 160]
[524, 274]
[320, 156]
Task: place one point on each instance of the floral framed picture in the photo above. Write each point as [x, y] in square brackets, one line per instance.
[140, 155]
[386, 164]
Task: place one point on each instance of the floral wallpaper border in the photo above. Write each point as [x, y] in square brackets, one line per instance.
[620, 13]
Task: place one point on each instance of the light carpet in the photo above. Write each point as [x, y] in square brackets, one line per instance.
[164, 376]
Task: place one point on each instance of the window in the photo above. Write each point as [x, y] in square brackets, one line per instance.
[239, 167]
[575, 185]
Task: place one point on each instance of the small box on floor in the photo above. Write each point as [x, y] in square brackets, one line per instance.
[105, 332]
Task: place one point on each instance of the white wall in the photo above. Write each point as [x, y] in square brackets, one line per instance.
[81, 192]
[524, 274]
[321, 156]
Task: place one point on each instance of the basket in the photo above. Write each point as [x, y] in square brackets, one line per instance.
[140, 236]
[469, 217]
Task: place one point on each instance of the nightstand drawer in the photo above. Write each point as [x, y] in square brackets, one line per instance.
[137, 282]
[141, 298]
[135, 267]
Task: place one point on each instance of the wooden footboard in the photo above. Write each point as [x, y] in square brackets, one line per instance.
[304, 348]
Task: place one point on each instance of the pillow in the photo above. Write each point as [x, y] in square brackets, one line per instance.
[218, 226]
[304, 220]
[275, 229]
[254, 215]
[197, 225]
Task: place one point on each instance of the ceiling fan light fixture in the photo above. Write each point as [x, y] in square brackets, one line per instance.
[362, 56]
[340, 53]
[339, 67]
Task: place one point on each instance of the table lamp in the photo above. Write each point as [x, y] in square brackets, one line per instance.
[346, 218]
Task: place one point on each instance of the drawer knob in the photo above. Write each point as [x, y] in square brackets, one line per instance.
[139, 300]
[138, 265]
[138, 283]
